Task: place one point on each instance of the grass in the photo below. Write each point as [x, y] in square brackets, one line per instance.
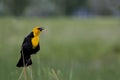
[71, 49]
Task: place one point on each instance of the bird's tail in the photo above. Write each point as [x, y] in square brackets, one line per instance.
[24, 61]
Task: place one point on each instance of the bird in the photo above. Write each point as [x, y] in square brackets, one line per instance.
[30, 45]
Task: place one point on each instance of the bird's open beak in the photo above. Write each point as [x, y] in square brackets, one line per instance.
[41, 28]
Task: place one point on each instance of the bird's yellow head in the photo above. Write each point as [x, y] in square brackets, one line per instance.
[36, 31]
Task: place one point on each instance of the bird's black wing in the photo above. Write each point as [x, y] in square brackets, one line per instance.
[27, 45]
[26, 51]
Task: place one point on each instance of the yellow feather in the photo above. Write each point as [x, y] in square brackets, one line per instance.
[35, 39]
[35, 42]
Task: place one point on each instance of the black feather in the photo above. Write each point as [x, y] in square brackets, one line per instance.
[26, 51]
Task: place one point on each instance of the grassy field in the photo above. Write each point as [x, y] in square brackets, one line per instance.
[71, 49]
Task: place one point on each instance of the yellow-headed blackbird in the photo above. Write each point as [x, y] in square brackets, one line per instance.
[30, 46]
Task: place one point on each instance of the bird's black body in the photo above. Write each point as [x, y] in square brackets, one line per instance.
[26, 51]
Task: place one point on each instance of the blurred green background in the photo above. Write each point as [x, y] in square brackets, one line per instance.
[80, 42]
[45, 8]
